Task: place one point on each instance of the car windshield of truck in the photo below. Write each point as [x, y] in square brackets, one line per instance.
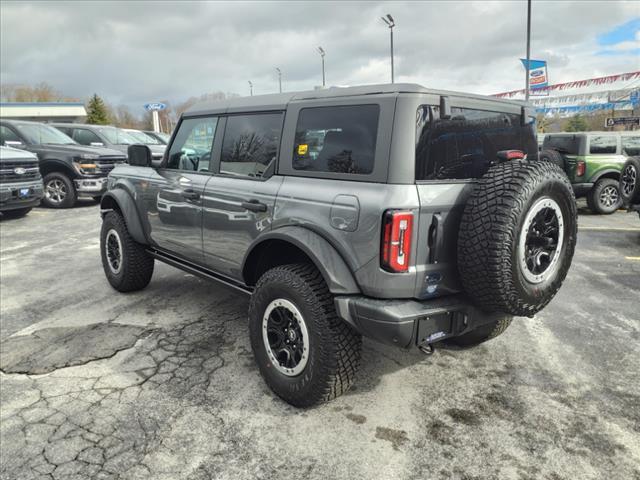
[567, 144]
[40, 134]
[143, 138]
[117, 136]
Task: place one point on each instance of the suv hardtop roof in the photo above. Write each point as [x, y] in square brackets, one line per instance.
[592, 132]
[83, 125]
[279, 101]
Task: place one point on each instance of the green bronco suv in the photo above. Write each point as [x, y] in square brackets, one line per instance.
[593, 161]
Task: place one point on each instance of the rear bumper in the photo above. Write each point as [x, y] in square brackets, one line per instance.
[407, 323]
[20, 195]
[581, 189]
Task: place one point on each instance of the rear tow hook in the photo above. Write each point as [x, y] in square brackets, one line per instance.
[426, 348]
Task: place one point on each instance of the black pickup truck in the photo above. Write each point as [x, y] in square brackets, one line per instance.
[70, 170]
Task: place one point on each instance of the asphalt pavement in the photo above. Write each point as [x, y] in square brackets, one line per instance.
[161, 384]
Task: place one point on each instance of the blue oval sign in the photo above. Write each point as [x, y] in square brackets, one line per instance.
[155, 106]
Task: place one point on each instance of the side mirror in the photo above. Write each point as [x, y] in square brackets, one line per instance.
[139, 155]
[445, 108]
[96, 144]
[13, 143]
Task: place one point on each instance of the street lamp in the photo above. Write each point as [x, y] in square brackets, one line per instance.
[390, 23]
[279, 79]
[527, 86]
[250, 87]
[322, 54]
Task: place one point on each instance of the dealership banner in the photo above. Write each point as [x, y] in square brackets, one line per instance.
[538, 76]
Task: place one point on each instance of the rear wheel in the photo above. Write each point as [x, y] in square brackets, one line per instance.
[126, 263]
[16, 212]
[604, 197]
[59, 191]
[305, 353]
[630, 181]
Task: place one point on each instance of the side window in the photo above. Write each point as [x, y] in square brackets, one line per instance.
[191, 149]
[250, 145]
[6, 134]
[603, 144]
[336, 139]
[630, 146]
[67, 131]
[85, 137]
[465, 145]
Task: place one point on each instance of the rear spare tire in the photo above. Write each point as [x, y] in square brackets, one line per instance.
[552, 156]
[630, 181]
[517, 237]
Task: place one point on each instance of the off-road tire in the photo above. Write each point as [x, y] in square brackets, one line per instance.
[70, 197]
[630, 181]
[16, 212]
[136, 264]
[490, 235]
[553, 156]
[484, 332]
[334, 347]
[594, 197]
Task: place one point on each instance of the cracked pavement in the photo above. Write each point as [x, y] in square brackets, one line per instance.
[161, 384]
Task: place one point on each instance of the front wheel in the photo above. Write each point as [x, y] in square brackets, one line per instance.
[604, 197]
[126, 263]
[305, 353]
[59, 191]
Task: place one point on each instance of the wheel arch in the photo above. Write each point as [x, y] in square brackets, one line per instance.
[298, 245]
[608, 173]
[121, 201]
[51, 165]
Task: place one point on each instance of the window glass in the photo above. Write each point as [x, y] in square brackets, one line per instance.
[117, 136]
[630, 146]
[465, 145]
[250, 144]
[85, 137]
[40, 134]
[6, 134]
[567, 144]
[336, 139]
[603, 144]
[191, 149]
[142, 137]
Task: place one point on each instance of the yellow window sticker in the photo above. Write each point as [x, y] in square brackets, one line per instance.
[303, 148]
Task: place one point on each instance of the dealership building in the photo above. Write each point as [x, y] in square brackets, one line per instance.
[44, 111]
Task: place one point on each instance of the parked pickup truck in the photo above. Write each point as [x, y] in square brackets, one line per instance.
[20, 182]
[407, 215]
[69, 170]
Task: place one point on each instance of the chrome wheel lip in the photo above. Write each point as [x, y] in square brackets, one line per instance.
[537, 207]
[297, 315]
[629, 179]
[114, 259]
[55, 190]
[609, 196]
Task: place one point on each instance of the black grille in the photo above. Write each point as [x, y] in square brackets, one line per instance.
[29, 171]
[106, 164]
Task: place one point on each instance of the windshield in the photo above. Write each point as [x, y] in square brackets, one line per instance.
[117, 136]
[39, 134]
[163, 136]
[143, 137]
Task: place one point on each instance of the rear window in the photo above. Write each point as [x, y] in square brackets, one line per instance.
[630, 146]
[336, 139]
[567, 144]
[465, 145]
[603, 144]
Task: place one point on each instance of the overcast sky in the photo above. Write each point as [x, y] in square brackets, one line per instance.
[135, 52]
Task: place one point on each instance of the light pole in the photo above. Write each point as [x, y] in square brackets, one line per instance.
[526, 90]
[279, 79]
[390, 23]
[322, 54]
[250, 88]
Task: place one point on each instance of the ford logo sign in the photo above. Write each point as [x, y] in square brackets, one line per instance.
[155, 106]
[537, 73]
[19, 171]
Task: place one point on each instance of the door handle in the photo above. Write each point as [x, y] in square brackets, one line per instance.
[190, 194]
[254, 206]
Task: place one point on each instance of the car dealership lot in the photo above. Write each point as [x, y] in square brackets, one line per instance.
[161, 383]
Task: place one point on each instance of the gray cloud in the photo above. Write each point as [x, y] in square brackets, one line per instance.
[134, 52]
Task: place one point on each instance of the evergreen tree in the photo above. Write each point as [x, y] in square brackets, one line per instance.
[577, 123]
[97, 111]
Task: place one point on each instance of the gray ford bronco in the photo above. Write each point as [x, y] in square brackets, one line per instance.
[406, 215]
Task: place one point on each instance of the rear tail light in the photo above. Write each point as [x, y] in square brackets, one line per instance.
[505, 155]
[397, 227]
[580, 168]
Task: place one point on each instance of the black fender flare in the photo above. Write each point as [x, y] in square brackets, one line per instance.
[53, 164]
[127, 207]
[608, 171]
[324, 256]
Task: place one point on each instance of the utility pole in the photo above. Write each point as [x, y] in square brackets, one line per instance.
[526, 91]
[251, 88]
[390, 23]
[322, 54]
[279, 79]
